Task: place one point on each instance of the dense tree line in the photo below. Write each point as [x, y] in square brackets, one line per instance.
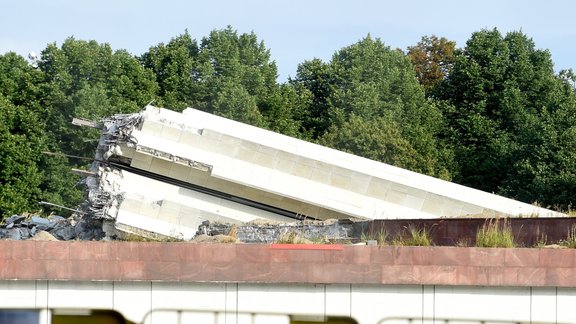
[493, 115]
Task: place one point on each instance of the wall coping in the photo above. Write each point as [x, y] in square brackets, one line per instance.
[274, 263]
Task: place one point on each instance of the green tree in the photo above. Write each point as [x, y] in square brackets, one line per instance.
[315, 77]
[367, 83]
[507, 119]
[21, 143]
[28, 175]
[286, 109]
[228, 74]
[235, 102]
[377, 139]
[226, 58]
[88, 80]
[20, 83]
[175, 65]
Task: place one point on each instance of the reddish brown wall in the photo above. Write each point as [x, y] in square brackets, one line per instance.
[448, 232]
[128, 261]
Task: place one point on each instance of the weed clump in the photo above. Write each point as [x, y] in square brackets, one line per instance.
[292, 237]
[381, 236]
[570, 241]
[495, 234]
[416, 237]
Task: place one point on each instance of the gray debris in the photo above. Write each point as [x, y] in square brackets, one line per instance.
[20, 227]
[41, 223]
[313, 231]
[14, 219]
[64, 233]
[89, 229]
[21, 233]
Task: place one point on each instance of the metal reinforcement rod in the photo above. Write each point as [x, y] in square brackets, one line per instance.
[67, 155]
[60, 206]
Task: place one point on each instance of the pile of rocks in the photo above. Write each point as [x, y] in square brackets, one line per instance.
[76, 227]
[23, 227]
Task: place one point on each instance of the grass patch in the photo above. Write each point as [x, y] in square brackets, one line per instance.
[542, 240]
[131, 237]
[292, 237]
[381, 236]
[570, 241]
[415, 237]
[495, 233]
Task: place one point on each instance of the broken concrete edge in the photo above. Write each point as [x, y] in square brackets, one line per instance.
[125, 232]
[101, 202]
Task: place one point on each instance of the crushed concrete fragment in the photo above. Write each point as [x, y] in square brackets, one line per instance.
[14, 219]
[20, 234]
[41, 223]
[23, 227]
[43, 236]
[65, 233]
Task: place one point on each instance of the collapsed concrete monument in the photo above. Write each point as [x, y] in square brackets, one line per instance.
[163, 172]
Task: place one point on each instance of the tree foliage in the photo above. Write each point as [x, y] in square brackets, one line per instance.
[226, 73]
[20, 151]
[433, 59]
[368, 85]
[89, 80]
[492, 115]
[508, 119]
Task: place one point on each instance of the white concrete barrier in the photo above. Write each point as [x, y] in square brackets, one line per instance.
[167, 303]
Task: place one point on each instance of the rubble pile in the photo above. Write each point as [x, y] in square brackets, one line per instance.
[53, 227]
[332, 230]
[23, 227]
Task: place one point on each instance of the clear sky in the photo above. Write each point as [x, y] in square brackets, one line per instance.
[293, 30]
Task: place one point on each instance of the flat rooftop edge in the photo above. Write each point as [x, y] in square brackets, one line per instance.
[271, 263]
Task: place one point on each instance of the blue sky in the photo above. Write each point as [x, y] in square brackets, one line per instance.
[293, 30]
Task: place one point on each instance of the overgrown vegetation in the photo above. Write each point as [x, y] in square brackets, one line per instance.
[416, 237]
[474, 114]
[570, 241]
[380, 236]
[130, 237]
[292, 237]
[495, 233]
